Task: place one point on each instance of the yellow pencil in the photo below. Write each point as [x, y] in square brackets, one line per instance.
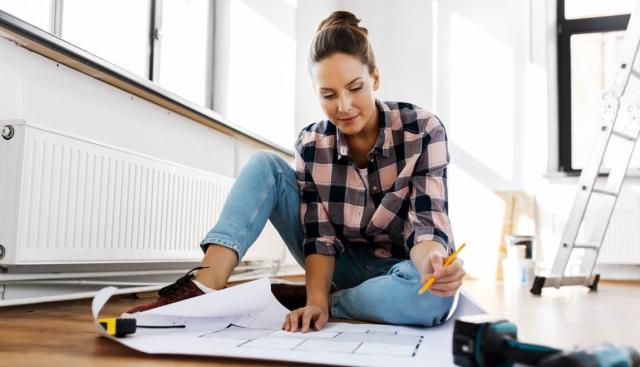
[447, 262]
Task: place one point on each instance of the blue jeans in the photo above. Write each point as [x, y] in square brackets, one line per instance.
[382, 290]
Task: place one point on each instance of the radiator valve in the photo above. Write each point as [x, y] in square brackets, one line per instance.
[7, 132]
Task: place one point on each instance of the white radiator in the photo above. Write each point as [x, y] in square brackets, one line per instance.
[68, 200]
[622, 242]
[619, 256]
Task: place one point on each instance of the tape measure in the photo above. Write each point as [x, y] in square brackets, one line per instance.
[121, 327]
[118, 327]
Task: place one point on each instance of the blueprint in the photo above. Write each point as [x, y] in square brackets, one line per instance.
[244, 322]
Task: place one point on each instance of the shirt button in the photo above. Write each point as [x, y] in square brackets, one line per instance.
[374, 188]
[371, 160]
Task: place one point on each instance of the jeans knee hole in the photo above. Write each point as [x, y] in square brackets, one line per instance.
[402, 275]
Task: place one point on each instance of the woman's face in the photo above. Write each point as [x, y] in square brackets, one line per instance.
[345, 88]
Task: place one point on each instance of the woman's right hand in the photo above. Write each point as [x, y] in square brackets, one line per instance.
[306, 317]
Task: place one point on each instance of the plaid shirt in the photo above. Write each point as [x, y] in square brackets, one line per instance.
[406, 199]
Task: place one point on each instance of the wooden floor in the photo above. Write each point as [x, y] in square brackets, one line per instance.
[62, 333]
[567, 317]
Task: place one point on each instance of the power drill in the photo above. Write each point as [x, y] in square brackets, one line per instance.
[485, 341]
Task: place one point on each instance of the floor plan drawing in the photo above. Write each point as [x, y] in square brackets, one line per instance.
[245, 322]
[366, 342]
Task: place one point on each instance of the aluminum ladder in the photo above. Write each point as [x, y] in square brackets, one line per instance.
[616, 140]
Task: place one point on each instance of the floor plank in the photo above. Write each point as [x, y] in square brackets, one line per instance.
[567, 317]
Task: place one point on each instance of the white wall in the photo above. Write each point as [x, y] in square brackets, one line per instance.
[482, 58]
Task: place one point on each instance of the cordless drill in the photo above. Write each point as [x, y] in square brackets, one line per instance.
[484, 341]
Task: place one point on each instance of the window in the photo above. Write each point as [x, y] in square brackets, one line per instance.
[260, 72]
[36, 12]
[115, 30]
[184, 48]
[578, 9]
[168, 42]
[590, 34]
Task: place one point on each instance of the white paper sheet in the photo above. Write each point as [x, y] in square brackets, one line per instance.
[244, 321]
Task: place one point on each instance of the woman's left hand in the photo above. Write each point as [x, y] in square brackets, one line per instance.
[448, 278]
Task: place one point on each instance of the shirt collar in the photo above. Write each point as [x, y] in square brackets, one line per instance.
[384, 141]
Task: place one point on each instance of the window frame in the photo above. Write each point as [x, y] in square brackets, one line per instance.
[565, 29]
[154, 41]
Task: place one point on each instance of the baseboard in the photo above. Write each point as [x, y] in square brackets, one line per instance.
[49, 287]
[618, 271]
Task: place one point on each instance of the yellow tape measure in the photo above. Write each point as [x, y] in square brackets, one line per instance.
[122, 327]
[118, 327]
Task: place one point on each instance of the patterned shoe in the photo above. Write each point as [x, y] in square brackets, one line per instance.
[181, 289]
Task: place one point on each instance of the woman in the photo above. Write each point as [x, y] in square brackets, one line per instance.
[369, 189]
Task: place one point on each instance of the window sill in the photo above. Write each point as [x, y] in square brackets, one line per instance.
[43, 43]
[633, 175]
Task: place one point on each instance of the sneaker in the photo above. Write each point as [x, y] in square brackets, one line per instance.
[292, 295]
[179, 290]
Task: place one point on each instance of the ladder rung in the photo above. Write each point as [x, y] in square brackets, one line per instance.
[588, 247]
[605, 192]
[623, 135]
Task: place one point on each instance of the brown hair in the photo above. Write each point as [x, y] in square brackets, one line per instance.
[340, 33]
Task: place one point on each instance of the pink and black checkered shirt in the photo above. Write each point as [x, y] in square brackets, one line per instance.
[405, 201]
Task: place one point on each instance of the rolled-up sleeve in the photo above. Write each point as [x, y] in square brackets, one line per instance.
[428, 217]
[319, 233]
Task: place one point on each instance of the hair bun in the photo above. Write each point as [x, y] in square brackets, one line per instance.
[340, 33]
[342, 18]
